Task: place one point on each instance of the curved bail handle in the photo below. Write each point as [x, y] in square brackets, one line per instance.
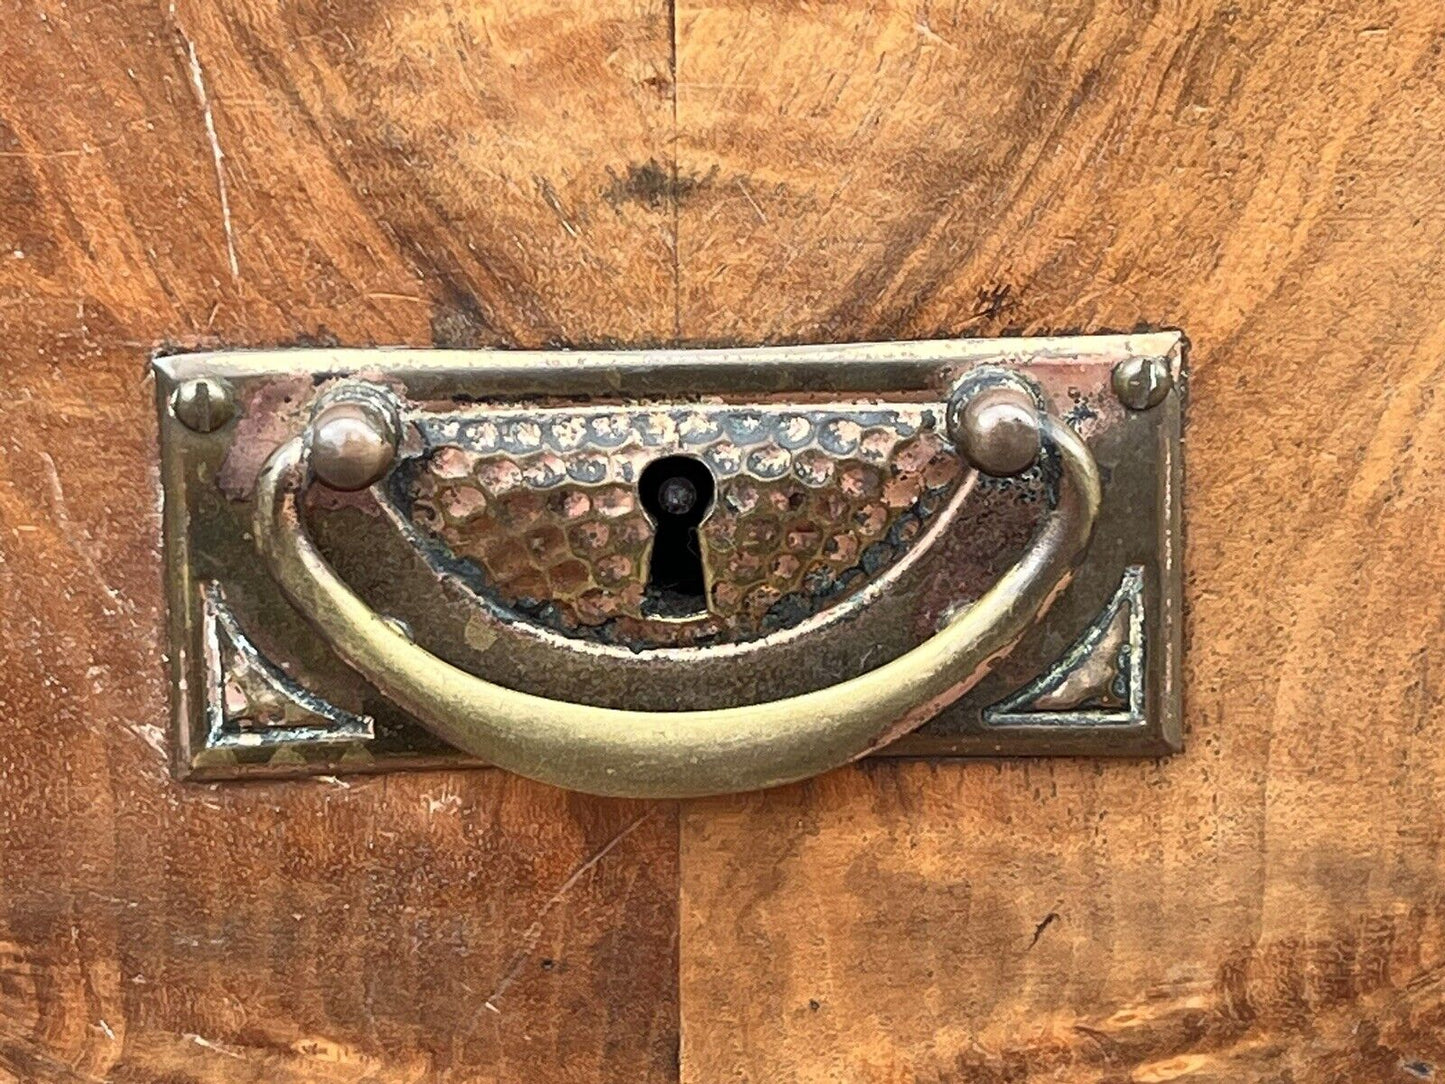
[683, 753]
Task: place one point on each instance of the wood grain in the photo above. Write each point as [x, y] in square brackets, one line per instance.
[247, 173]
[1266, 907]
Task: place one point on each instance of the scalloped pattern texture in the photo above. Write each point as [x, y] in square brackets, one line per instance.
[811, 505]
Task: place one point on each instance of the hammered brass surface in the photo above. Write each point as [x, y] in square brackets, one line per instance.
[811, 506]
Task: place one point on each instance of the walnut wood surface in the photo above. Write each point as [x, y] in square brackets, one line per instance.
[1267, 907]
[409, 173]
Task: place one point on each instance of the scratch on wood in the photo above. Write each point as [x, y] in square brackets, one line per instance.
[152, 735]
[534, 931]
[1049, 920]
[381, 295]
[62, 519]
[747, 195]
[549, 196]
[198, 80]
[217, 1047]
[931, 35]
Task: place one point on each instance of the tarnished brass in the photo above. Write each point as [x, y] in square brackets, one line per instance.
[997, 431]
[204, 405]
[683, 753]
[674, 572]
[351, 442]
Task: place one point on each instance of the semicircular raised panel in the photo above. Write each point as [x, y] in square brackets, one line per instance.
[811, 504]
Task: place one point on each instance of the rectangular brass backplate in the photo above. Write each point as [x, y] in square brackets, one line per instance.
[257, 693]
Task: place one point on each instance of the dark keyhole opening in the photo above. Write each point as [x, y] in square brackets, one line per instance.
[677, 492]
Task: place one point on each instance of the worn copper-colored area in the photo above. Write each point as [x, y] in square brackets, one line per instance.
[252, 703]
[811, 505]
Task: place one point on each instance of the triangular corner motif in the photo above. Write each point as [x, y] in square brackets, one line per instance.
[253, 703]
[1098, 681]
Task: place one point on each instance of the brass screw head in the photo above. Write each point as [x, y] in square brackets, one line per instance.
[352, 445]
[1142, 383]
[997, 430]
[203, 405]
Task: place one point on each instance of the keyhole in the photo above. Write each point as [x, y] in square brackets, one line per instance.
[677, 492]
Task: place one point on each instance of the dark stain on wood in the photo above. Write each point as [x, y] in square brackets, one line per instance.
[654, 185]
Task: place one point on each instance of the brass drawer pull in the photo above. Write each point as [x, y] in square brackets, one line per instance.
[673, 571]
[673, 753]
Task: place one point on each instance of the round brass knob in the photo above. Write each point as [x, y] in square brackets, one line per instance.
[352, 444]
[998, 430]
